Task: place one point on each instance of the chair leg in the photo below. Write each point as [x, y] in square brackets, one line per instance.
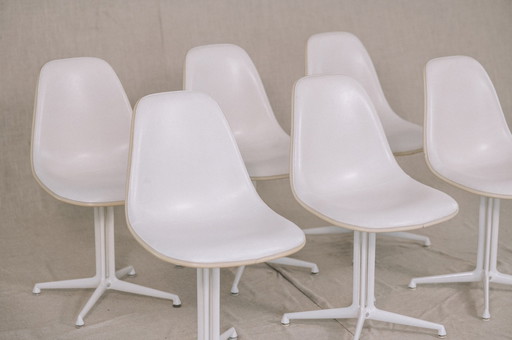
[236, 281]
[338, 230]
[130, 271]
[288, 261]
[364, 285]
[106, 276]
[487, 251]
[208, 306]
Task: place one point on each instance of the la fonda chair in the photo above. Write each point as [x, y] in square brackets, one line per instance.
[469, 145]
[344, 172]
[79, 155]
[228, 75]
[343, 53]
[191, 201]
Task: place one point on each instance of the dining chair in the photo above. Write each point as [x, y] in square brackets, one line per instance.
[344, 172]
[343, 53]
[79, 155]
[469, 145]
[228, 75]
[190, 200]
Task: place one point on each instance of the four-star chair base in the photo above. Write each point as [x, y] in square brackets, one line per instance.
[363, 305]
[487, 255]
[106, 276]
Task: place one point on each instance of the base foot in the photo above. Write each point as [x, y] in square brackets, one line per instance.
[79, 322]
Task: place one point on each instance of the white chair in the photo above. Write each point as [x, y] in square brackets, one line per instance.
[469, 145]
[80, 155]
[228, 75]
[190, 199]
[344, 172]
[343, 53]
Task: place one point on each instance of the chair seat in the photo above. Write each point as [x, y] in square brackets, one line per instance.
[89, 186]
[267, 157]
[492, 178]
[221, 239]
[403, 136]
[398, 204]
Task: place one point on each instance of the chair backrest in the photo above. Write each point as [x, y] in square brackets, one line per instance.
[343, 53]
[228, 75]
[337, 139]
[184, 162]
[464, 122]
[81, 131]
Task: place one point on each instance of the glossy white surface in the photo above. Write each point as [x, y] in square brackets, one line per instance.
[343, 169]
[467, 140]
[343, 53]
[228, 75]
[81, 132]
[190, 200]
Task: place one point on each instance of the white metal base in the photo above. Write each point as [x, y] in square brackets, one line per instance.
[208, 306]
[287, 261]
[363, 297]
[338, 230]
[486, 258]
[106, 276]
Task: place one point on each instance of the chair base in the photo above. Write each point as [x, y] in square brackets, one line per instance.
[106, 277]
[338, 230]
[363, 306]
[287, 261]
[487, 251]
[208, 306]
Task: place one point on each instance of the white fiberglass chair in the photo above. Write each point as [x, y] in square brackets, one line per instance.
[228, 75]
[469, 145]
[344, 172]
[79, 155]
[191, 201]
[343, 53]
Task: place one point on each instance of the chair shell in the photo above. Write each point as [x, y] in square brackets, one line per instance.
[74, 157]
[342, 163]
[468, 140]
[190, 199]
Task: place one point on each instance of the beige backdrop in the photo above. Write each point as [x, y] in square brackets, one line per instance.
[42, 239]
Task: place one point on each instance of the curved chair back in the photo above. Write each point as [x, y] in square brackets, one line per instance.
[464, 122]
[81, 132]
[337, 138]
[343, 53]
[173, 174]
[228, 75]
